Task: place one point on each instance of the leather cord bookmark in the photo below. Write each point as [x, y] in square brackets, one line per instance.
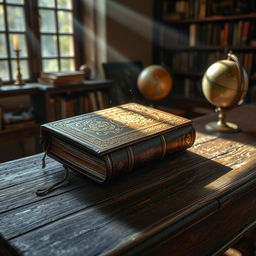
[45, 191]
[45, 154]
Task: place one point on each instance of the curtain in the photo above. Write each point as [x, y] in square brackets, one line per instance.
[95, 36]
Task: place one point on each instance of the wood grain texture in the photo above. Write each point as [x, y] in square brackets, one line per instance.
[150, 207]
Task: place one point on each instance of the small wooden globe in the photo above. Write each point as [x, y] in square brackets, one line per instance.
[154, 82]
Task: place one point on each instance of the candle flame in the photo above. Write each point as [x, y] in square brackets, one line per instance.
[15, 42]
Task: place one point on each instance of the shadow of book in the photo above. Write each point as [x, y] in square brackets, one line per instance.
[7, 249]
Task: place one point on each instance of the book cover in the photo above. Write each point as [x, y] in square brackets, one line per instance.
[109, 142]
[59, 75]
[57, 82]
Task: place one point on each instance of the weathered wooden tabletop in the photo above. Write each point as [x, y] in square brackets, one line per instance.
[137, 213]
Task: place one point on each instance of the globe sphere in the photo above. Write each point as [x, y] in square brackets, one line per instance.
[221, 84]
[154, 82]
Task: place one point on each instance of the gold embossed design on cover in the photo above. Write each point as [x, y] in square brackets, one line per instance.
[107, 129]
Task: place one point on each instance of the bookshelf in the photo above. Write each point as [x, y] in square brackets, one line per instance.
[23, 127]
[58, 102]
[189, 36]
[49, 103]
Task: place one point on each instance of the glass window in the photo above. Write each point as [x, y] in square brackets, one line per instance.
[4, 70]
[59, 22]
[66, 46]
[50, 65]
[65, 22]
[20, 44]
[15, 1]
[3, 49]
[67, 64]
[65, 4]
[46, 3]
[47, 44]
[47, 21]
[23, 69]
[16, 18]
[2, 23]
[13, 37]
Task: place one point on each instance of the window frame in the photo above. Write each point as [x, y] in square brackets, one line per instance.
[32, 35]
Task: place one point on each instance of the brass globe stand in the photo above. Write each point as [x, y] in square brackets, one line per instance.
[221, 125]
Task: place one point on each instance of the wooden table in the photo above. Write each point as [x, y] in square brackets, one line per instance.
[196, 202]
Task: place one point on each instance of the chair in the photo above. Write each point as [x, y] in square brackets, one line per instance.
[125, 76]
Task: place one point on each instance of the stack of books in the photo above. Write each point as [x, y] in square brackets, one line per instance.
[61, 78]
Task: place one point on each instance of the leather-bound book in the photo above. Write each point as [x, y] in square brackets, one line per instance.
[110, 142]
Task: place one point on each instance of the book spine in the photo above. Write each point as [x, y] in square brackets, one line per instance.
[93, 101]
[100, 100]
[154, 149]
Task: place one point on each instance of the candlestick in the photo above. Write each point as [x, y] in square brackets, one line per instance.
[19, 75]
[15, 42]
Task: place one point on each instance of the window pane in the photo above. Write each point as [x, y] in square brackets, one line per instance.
[66, 46]
[67, 4]
[47, 21]
[46, 3]
[50, 65]
[4, 70]
[21, 45]
[15, 1]
[16, 20]
[49, 46]
[2, 24]
[3, 50]
[67, 64]
[65, 22]
[23, 69]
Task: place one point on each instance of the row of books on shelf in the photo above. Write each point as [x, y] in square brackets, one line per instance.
[242, 33]
[198, 61]
[251, 94]
[188, 88]
[63, 106]
[229, 33]
[192, 89]
[180, 9]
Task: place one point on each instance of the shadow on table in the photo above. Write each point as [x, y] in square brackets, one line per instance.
[95, 217]
[243, 116]
[158, 190]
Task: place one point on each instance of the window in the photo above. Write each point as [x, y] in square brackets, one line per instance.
[43, 31]
[12, 29]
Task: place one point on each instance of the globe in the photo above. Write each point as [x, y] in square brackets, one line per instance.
[224, 85]
[221, 84]
[154, 82]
